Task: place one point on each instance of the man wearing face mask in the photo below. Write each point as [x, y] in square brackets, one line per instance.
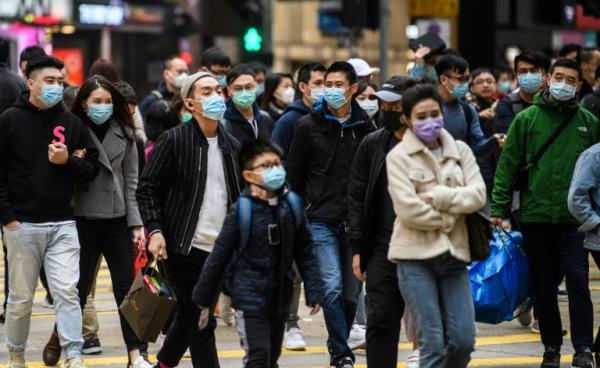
[460, 118]
[311, 81]
[175, 70]
[318, 165]
[370, 224]
[530, 67]
[243, 118]
[216, 61]
[545, 140]
[38, 142]
[190, 179]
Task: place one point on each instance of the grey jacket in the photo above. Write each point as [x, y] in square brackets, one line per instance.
[112, 193]
[584, 196]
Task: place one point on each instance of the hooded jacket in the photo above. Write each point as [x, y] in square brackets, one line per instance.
[283, 132]
[544, 200]
[241, 129]
[32, 189]
[320, 157]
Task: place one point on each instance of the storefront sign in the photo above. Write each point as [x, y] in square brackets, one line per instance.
[42, 12]
[100, 14]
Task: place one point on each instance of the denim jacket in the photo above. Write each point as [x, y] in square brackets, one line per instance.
[584, 196]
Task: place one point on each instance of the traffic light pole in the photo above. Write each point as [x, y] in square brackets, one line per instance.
[384, 38]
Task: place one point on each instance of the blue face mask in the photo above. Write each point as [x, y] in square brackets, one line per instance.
[562, 91]
[213, 107]
[51, 94]
[100, 113]
[530, 83]
[222, 79]
[260, 89]
[244, 98]
[504, 87]
[186, 117]
[460, 90]
[273, 178]
[417, 72]
[335, 97]
[431, 74]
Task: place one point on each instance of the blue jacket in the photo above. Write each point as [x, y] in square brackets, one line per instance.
[584, 196]
[462, 122]
[283, 133]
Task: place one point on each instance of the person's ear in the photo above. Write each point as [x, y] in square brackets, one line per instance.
[30, 84]
[204, 69]
[353, 89]
[303, 87]
[579, 85]
[188, 103]
[251, 177]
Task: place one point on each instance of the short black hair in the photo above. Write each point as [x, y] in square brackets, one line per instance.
[169, 61]
[257, 66]
[306, 70]
[4, 49]
[30, 53]
[160, 117]
[416, 94]
[214, 56]
[127, 91]
[533, 57]
[253, 148]
[342, 67]
[569, 48]
[41, 63]
[238, 71]
[567, 63]
[451, 63]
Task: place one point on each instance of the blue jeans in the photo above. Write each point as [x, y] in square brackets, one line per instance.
[437, 293]
[340, 286]
[56, 247]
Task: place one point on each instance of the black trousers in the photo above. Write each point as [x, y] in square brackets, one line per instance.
[554, 249]
[183, 273]
[596, 347]
[261, 337]
[112, 239]
[384, 312]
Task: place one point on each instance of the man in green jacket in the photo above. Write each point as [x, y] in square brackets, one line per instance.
[552, 242]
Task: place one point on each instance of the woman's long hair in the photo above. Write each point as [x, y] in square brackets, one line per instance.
[120, 109]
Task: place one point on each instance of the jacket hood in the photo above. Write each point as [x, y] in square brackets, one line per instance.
[543, 99]
[297, 106]
[358, 116]
[23, 103]
[232, 114]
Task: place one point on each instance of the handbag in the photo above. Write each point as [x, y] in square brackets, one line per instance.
[523, 176]
[148, 304]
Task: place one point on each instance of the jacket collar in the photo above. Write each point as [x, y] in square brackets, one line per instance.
[323, 116]
[413, 145]
[113, 141]
[232, 114]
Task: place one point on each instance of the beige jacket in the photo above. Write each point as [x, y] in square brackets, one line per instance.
[421, 230]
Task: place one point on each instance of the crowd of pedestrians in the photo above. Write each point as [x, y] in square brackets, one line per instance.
[245, 184]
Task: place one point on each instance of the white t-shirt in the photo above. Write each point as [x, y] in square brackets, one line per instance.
[214, 204]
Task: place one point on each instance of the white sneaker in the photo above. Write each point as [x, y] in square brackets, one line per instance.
[74, 363]
[140, 362]
[16, 358]
[357, 339]
[293, 340]
[413, 359]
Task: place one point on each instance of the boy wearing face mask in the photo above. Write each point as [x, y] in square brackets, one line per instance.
[37, 177]
[530, 67]
[190, 180]
[264, 233]
[244, 118]
[552, 241]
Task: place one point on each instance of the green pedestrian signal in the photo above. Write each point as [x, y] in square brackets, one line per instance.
[252, 40]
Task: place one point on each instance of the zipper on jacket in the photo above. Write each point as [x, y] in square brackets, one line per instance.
[342, 132]
[187, 226]
[353, 135]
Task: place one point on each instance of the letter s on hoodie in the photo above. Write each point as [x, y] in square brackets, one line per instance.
[60, 138]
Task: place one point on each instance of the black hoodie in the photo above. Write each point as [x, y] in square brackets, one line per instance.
[32, 189]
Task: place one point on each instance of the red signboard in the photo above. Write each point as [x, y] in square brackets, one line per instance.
[585, 21]
[73, 60]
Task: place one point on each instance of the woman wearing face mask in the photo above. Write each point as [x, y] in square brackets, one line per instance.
[367, 101]
[433, 182]
[279, 94]
[106, 210]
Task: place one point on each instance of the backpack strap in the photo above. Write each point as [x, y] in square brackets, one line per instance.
[157, 94]
[295, 203]
[468, 113]
[244, 221]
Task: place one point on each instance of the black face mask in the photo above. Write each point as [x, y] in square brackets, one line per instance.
[391, 120]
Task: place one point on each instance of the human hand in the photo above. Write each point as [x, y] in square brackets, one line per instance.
[13, 225]
[315, 308]
[137, 234]
[203, 319]
[421, 53]
[426, 197]
[497, 221]
[80, 153]
[58, 154]
[158, 246]
[500, 139]
[356, 267]
[488, 113]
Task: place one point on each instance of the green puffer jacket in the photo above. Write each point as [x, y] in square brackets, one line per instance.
[545, 198]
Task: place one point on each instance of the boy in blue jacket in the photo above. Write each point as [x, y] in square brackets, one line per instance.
[264, 232]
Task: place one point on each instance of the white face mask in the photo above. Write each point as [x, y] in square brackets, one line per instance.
[178, 80]
[287, 96]
[370, 106]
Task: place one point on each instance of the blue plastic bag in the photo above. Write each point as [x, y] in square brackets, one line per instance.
[501, 282]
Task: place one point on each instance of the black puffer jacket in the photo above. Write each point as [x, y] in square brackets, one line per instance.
[368, 164]
[262, 279]
[319, 160]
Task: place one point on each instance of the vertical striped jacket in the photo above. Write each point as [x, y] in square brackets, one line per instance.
[171, 189]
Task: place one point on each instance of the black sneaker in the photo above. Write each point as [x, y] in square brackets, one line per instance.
[345, 362]
[551, 357]
[2, 318]
[583, 358]
[91, 346]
